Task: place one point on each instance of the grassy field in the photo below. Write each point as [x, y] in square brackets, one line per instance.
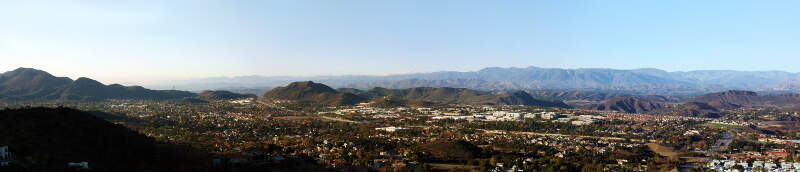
[457, 167]
[720, 126]
[663, 150]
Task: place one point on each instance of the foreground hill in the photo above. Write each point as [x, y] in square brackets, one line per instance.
[25, 84]
[320, 93]
[54, 137]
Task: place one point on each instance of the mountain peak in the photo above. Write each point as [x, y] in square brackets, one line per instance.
[27, 72]
[87, 80]
[315, 92]
[310, 86]
[24, 69]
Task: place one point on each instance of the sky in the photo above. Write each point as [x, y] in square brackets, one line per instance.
[143, 41]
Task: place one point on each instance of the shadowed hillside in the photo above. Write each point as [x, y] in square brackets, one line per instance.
[629, 104]
[53, 137]
[221, 95]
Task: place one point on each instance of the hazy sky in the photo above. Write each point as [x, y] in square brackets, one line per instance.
[140, 41]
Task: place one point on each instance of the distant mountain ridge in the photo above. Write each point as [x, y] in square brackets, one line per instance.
[319, 93]
[637, 81]
[737, 98]
[25, 84]
[706, 105]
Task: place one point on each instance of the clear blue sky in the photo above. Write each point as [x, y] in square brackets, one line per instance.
[139, 41]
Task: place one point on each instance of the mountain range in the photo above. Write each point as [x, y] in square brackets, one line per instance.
[24, 84]
[706, 105]
[31, 84]
[318, 93]
[636, 81]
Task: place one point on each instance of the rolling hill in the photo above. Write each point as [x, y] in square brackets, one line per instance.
[629, 104]
[737, 98]
[313, 92]
[320, 93]
[222, 95]
[25, 84]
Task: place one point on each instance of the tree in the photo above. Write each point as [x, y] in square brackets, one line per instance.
[738, 167]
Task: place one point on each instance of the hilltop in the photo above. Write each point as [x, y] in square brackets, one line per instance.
[309, 91]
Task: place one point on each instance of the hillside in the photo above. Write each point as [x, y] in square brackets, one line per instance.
[736, 98]
[447, 95]
[222, 95]
[629, 104]
[452, 150]
[706, 105]
[25, 84]
[309, 91]
[314, 92]
[696, 109]
[53, 137]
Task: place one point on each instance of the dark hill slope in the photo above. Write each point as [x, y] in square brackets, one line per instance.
[53, 137]
[629, 104]
[452, 150]
[735, 98]
[221, 95]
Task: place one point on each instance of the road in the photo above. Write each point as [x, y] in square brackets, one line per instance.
[722, 143]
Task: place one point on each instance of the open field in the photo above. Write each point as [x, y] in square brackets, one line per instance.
[663, 150]
[720, 126]
[452, 167]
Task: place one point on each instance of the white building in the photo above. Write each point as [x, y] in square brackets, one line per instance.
[81, 165]
[529, 115]
[549, 115]
[391, 129]
[3, 152]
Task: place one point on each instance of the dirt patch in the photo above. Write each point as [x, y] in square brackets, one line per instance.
[452, 167]
[663, 150]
